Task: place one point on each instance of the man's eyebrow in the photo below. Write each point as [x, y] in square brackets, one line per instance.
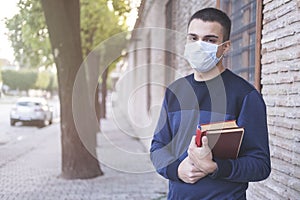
[206, 36]
[193, 34]
[211, 36]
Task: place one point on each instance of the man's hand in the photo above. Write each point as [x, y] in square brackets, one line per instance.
[188, 173]
[202, 156]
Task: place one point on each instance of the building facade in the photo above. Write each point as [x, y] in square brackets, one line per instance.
[265, 50]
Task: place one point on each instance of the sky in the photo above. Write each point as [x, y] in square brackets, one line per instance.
[134, 4]
[7, 10]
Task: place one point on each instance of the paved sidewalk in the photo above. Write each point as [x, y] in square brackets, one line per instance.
[30, 170]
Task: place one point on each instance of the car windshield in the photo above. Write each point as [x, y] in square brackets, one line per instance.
[28, 103]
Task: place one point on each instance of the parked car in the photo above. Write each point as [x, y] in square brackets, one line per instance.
[31, 110]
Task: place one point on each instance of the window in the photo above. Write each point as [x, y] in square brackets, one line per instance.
[244, 57]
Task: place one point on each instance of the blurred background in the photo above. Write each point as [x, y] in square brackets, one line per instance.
[81, 85]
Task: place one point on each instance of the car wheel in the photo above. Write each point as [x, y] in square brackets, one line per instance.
[51, 119]
[41, 124]
[12, 122]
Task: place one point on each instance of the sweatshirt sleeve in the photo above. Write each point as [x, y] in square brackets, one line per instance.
[165, 163]
[253, 163]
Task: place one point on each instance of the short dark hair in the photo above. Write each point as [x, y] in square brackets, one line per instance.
[214, 15]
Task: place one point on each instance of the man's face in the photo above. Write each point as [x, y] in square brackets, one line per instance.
[211, 32]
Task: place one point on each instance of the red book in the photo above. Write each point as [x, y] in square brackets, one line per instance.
[199, 135]
[224, 138]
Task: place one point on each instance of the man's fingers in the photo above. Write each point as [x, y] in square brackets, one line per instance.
[205, 142]
[193, 177]
[193, 142]
[192, 145]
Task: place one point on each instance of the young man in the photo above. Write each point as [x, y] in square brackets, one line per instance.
[211, 94]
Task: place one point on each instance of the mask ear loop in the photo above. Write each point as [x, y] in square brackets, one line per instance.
[222, 56]
[223, 43]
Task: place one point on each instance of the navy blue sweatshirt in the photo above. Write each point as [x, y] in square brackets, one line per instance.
[188, 103]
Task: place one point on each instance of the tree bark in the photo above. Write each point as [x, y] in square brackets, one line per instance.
[97, 105]
[63, 21]
[103, 94]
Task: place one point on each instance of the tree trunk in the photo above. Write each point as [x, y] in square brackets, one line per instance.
[89, 41]
[104, 94]
[98, 105]
[63, 21]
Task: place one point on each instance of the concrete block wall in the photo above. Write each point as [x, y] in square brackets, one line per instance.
[184, 10]
[143, 79]
[281, 91]
[280, 79]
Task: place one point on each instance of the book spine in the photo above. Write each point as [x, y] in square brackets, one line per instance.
[199, 135]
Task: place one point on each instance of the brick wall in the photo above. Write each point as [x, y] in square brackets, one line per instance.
[281, 89]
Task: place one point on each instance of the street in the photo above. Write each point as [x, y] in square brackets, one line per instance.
[30, 166]
[12, 134]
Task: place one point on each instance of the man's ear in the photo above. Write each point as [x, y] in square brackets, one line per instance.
[226, 47]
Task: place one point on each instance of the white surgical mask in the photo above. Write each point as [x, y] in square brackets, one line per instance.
[202, 56]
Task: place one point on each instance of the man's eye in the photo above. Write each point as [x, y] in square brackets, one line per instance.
[210, 41]
[192, 38]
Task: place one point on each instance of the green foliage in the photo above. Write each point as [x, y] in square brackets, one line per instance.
[121, 8]
[53, 84]
[19, 80]
[29, 79]
[29, 35]
[30, 38]
[98, 23]
[43, 80]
